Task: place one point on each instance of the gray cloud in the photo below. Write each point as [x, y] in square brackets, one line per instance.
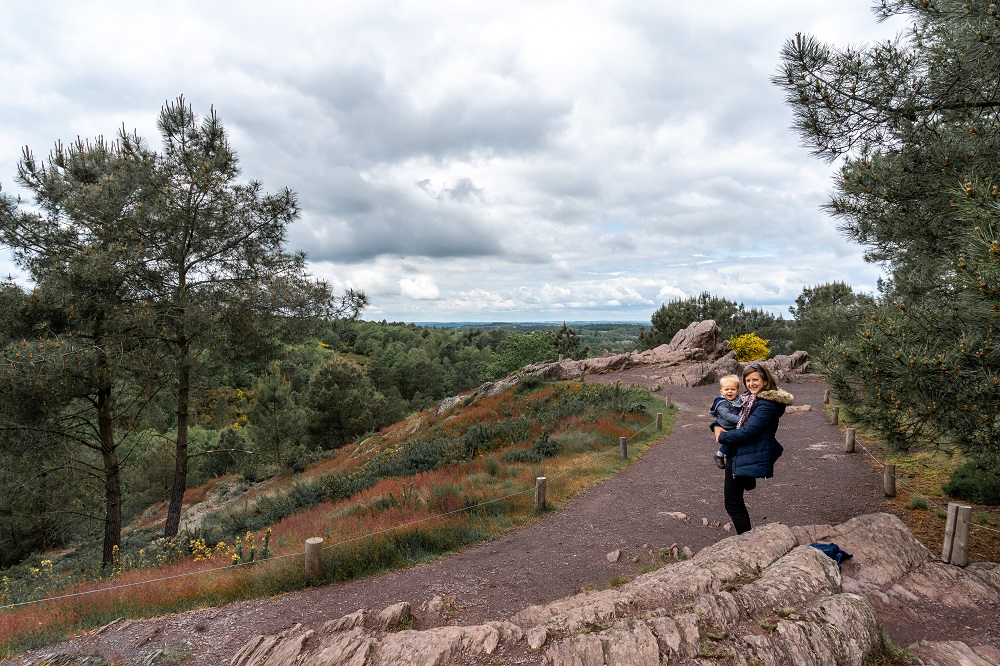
[457, 161]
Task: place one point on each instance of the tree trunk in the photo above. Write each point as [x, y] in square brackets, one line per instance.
[112, 476]
[180, 453]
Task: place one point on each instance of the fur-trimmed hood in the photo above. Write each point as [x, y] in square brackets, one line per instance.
[777, 395]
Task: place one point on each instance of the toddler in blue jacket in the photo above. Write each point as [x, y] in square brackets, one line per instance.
[726, 410]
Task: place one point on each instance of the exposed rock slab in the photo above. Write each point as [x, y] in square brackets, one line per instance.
[764, 597]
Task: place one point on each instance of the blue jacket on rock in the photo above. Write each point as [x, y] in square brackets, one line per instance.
[752, 446]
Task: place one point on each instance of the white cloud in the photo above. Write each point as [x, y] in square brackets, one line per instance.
[421, 287]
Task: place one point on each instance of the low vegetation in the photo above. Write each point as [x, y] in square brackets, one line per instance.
[928, 480]
[428, 485]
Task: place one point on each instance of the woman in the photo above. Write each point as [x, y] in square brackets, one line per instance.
[751, 445]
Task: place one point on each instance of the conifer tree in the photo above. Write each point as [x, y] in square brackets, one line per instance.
[217, 270]
[79, 374]
[825, 311]
[166, 262]
[915, 121]
[567, 342]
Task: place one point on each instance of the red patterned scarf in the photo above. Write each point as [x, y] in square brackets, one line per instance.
[748, 400]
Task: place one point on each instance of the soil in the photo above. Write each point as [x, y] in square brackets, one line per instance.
[566, 551]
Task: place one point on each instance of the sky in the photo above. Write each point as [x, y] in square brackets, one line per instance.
[469, 161]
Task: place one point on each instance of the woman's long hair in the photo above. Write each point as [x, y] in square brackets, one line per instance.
[765, 373]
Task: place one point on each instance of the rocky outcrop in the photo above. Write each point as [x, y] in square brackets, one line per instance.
[487, 390]
[765, 597]
[696, 348]
[696, 356]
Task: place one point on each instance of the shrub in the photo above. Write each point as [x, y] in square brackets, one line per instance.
[528, 383]
[542, 448]
[749, 347]
[492, 466]
[973, 483]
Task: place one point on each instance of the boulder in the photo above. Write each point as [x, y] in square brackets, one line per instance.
[704, 335]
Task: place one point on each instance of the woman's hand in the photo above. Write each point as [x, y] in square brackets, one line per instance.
[718, 431]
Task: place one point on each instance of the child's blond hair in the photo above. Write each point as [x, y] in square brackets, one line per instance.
[729, 379]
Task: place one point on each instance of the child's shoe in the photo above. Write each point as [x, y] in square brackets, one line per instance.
[720, 460]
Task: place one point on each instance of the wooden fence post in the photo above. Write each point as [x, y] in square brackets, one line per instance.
[889, 480]
[955, 549]
[949, 532]
[314, 558]
[670, 400]
[849, 441]
[960, 548]
[540, 493]
[835, 416]
[583, 376]
[659, 420]
[623, 445]
[826, 397]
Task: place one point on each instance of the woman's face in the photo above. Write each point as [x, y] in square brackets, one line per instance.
[754, 382]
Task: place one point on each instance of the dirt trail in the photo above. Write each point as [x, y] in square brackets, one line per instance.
[815, 483]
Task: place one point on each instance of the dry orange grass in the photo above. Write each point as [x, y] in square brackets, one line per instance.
[441, 499]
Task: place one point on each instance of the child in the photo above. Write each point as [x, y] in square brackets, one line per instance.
[726, 410]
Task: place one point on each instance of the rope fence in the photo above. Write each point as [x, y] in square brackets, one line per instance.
[958, 523]
[314, 545]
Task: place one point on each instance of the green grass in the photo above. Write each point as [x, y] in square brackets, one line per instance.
[888, 654]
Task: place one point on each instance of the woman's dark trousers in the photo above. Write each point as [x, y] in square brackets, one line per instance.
[733, 494]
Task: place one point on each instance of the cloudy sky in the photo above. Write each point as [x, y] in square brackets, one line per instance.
[471, 161]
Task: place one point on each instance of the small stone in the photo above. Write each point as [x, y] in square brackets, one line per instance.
[645, 546]
[537, 637]
[688, 553]
[613, 556]
[704, 522]
[676, 515]
[634, 559]
[435, 606]
[394, 617]
[728, 527]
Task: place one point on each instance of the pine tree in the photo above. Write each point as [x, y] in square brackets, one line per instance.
[217, 271]
[80, 367]
[567, 342]
[915, 120]
[159, 262]
[341, 402]
[830, 310]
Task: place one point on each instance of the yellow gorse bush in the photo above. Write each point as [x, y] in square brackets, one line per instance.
[749, 347]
